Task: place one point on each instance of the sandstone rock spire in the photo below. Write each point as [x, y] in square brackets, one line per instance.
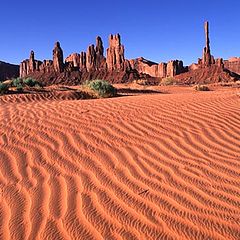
[58, 58]
[90, 58]
[115, 53]
[207, 59]
[99, 46]
[100, 59]
[32, 63]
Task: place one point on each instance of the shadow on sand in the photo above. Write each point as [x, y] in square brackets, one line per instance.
[133, 92]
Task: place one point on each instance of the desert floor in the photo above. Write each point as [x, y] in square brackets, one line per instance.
[148, 166]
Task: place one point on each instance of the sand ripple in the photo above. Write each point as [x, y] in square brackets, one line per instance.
[163, 166]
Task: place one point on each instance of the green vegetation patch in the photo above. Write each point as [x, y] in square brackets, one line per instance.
[101, 88]
[4, 88]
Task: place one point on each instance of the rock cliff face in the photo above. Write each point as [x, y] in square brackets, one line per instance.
[58, 64]
[8, 71]
[74, 58]
[83, 60]
[211, 74]
[161, 70]
[115, 54]
[174, 68]
[29, 66]
[92, 60]
[233, 64]
[100, 59]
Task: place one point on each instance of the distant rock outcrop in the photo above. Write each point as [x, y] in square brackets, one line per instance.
[32, 63]
[210, 70]
[74, 58]
[29, 66]
[233, 64]
[207, 59]
[211, 74]
[161, 70]
[84, 66]
[115, 54]
[92, 60]
[8, 71]
[58, 64]
[92, 64]
[100, 59]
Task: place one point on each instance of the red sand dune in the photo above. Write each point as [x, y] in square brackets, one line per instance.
[160, 166]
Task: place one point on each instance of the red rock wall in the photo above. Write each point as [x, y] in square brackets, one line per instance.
[8, 71]
[233, 64]
[161, 70]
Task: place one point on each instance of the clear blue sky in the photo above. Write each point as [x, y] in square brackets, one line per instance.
[157, 30]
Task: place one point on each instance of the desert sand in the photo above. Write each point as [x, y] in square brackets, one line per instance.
[150, 166]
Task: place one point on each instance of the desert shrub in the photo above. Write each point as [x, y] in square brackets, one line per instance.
[201, 88]
[101, 87]
[20, 83]
[4, 88]
[38, 85]
[30, 82]
[16, 82]
[19, 87]
[167, 81]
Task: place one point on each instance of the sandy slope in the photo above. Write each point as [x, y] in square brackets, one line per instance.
[163, 166]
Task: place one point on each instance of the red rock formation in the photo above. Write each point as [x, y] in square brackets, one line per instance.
[174, 68]
[99, 46]
[212, 74]
[58, 64]
[46, 66]
[84, 66]
[115, 53]
[24, 66]
[91, 58]
[74, 58]
[30, 65]
[219, 62]
[8, 71]
[207, 59]
[143, 65]
[115, 68]
[160, 70]
[100, 59]
[233, 64]
[83, 60]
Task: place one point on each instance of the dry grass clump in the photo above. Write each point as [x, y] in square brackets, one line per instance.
[201, 88]
[167, 81]
[142, 82]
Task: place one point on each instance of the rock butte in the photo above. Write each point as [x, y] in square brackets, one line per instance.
[92, 64]
[8, 71]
